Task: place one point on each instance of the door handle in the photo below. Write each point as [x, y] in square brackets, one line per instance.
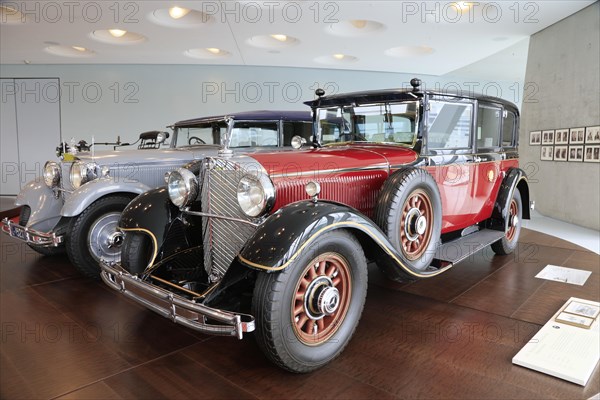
[475, 159]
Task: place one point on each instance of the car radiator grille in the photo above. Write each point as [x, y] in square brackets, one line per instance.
[65, 181]
[223, 239]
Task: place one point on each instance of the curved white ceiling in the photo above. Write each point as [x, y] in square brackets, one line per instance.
[414, 37]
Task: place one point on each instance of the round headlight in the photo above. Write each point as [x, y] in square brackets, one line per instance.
[182, 186]
[51, 174]
[81, 173]
[77, 173]
[298, 142]
[256, 194]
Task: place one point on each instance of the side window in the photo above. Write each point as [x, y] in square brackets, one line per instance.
[296, 128]
[508, 129]
[449, 125]
[488, 127]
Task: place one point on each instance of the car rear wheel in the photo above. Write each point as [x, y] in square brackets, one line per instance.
[509, 241]
[46, 251]
[306, 314]
[93, 235]
[409, 211]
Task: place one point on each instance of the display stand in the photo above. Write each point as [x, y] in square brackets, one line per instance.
[568, 345]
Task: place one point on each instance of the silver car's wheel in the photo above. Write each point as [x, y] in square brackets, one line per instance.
[104, 239]
[93, 235]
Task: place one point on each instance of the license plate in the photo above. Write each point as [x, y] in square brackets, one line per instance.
[18, 232]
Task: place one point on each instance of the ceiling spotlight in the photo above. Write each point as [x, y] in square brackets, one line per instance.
[178, 12]
[462, 5]
[117, 32]
[79, 48]
[213, 50]
[339, 56]
[358, 23]
[281, 38]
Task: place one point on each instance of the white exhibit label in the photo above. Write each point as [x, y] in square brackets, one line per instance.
[568, 345]
[563, 274]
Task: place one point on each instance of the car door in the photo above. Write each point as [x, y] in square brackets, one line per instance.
[449, 149]
[488, 157]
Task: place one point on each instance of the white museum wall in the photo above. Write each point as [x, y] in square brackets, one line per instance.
[563, 63]
[106, 101]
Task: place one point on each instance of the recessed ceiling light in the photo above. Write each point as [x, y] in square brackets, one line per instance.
[207, 53]
[117, 32]
[358, 23]
[462, 5]
[409, 51]
[354, 28]
[273, 41]
[281, 38]
[69, 51]
[117, 36]
[178, 12]
[179, 17]
[336, 59]
[11, 15]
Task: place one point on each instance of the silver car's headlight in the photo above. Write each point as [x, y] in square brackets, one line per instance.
[182, 186]
[256, 194]
[51, 174]
[81, 173]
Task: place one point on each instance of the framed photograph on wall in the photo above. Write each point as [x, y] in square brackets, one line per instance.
[547, 153]
[592, 154]
[547, 137]
[560, 153]
[592, 135]
[575, 153]
[535, 138]
[561, 136]
[577, 136]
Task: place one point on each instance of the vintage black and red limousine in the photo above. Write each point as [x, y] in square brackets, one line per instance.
[278, 242]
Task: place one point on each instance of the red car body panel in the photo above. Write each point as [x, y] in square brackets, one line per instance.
[353, 175]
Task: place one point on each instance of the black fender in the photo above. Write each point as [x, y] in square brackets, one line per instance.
[515, 178]
[152, 213]
[282, 236]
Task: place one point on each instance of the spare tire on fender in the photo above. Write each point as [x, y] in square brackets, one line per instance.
[409, 211]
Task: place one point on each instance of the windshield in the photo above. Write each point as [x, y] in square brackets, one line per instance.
[254, 134]
[378, 123]
[208, 133]
[243, 134]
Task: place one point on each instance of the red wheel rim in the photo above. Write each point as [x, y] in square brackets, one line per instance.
[513, 211]
[324, 275]
[414, 241]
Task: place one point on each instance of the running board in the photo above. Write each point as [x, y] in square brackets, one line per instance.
[457, 250]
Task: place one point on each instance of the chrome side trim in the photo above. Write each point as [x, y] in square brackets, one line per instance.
[31, 236]
[231, 324]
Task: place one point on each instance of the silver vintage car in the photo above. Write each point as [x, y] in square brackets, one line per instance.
[76, 205]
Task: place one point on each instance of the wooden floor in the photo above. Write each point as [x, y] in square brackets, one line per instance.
[449, 337]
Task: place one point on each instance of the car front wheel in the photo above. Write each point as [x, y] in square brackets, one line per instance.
[306, 314]
[136, 252]
[93, 235]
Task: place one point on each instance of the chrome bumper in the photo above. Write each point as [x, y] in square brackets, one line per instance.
[31, 236]
[172, 306]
